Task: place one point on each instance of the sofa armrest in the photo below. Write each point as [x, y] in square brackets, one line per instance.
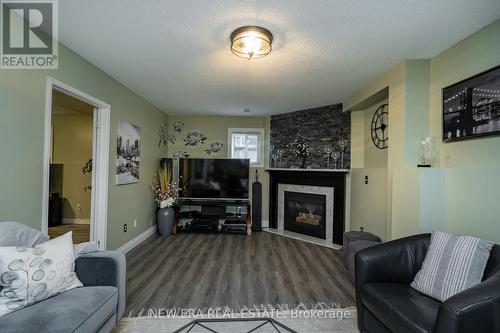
[476, 309]
[396, 261]
[108, 268]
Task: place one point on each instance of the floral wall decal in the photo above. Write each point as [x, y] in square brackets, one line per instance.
[162, 133]
[180, 154]
[214, 147]
[178, 126]
[171, 138]
[193, 138]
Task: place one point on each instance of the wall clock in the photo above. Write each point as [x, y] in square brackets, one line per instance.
[379, 127]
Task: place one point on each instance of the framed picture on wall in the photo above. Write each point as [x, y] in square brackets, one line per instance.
[128, 153]
[471, 108]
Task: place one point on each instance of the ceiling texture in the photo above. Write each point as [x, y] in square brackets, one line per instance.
[175, 53]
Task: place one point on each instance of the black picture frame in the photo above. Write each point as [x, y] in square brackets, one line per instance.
[471, 107]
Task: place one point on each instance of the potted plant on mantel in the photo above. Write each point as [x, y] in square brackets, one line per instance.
[165, 192]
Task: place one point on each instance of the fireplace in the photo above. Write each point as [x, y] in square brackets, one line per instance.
[306, 210]
[305, 213]
[325, 188]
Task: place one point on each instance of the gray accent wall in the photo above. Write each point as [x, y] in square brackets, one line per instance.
[322, 126]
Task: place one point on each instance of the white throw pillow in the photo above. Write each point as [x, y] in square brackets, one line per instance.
[30, 275]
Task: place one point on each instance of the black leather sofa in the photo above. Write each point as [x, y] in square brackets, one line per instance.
[387, 303]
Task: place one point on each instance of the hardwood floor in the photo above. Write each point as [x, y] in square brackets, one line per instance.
[212, 270]
[81, 232]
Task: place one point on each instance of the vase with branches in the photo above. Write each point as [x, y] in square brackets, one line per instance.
[165, 195]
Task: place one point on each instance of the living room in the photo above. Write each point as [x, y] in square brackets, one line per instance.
[266, 166]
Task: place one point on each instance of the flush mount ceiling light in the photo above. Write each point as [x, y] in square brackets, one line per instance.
[251, 42]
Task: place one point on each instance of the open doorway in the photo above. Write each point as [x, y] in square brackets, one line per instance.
[76, 164]
[70, 183]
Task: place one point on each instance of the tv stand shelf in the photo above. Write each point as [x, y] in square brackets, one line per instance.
[214, 216]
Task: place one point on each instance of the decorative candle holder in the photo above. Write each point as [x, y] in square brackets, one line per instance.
[335, 157]
[342, 144]
[274, 158]
[280, 152]
[270, 151]
[328, 153]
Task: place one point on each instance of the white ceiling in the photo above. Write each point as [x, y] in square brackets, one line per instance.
[175, 53]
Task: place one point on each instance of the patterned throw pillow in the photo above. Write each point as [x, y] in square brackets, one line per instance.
[30, 275]
[451, 265]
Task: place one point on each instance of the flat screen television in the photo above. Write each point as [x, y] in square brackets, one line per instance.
[471, 108]
[214, 179]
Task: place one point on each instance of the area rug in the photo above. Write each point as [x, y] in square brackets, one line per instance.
[307, 321]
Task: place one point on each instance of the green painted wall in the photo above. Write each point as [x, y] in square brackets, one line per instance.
[471, 167]
[405, 203]
[432, 199]
[417, 104]
[368, 202]
[358, 139]
[393, 84]
[216, 128]
[471, 56]
[459, 198]
[471, 202]
[22, 108]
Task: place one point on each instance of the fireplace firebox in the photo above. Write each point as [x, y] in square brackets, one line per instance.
[305, 213]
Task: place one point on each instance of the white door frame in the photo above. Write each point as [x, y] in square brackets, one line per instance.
[100, 155]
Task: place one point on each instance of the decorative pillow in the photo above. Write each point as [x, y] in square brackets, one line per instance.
[84, 248]
[17, 234]
[30, 275]
[451, 265]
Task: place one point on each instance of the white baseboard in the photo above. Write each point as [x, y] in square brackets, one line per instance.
[265, 223]
[137, 240]
[75, 221]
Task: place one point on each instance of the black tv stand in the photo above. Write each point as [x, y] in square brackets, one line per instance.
[214, 216]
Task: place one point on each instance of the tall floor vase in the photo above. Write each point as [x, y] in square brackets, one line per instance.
[165, 219]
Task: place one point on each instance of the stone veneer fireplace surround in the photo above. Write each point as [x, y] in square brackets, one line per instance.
[308, 179]
[322, 126]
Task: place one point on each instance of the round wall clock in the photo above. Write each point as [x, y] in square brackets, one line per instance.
[379, 127]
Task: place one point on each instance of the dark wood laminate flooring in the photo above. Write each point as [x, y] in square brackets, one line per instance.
[81, 232]
[196, 271]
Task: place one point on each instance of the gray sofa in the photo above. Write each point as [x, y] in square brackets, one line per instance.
[95, 307]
